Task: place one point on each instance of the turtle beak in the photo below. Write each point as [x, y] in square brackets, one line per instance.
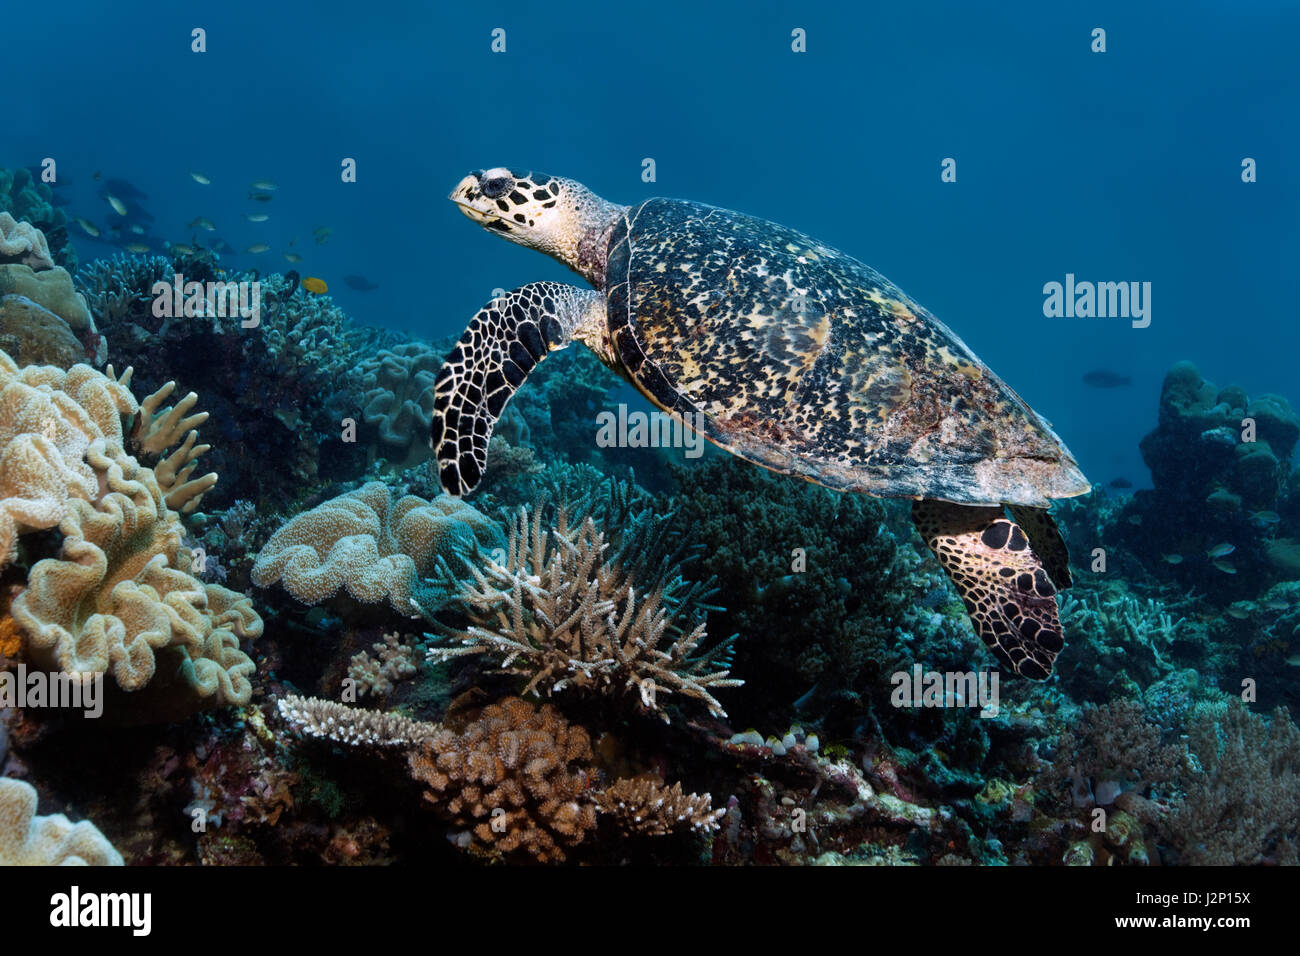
[471, 200]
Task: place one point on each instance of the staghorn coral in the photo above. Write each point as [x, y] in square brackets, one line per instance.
[643, 805]
[561, 612]
[353, 726]
[29, 840]
[515, 776]
[118, 289]
[118, 596]
[373, 548]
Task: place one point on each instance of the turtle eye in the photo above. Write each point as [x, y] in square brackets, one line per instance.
[496, 188]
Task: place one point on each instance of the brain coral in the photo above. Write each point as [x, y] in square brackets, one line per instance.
[117, 597]
[29, 840]
[373, 548]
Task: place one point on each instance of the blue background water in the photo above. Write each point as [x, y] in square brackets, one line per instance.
[1119, 166]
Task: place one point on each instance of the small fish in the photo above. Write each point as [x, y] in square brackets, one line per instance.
[256, 216]
[1172, 558]
[96, 176]
[1225, 566]
[1240, 611]
[1134, 519]
[1277, 604]
[1265, 517]
[136, 247]
[360, 283]
[182, 249]
[200, 178]
[293, 257]
[315, 286]
[266, 185]
[1103, 378]
[1294, 660]
[1121, 483]
[1221, 550]
[202, 223]
[322, 234]
[119, 207]
[137, 229]
[257, 248]
[261, 197]
[90, 228]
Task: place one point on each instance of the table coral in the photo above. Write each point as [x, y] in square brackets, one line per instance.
[29, 840]
[373, 548]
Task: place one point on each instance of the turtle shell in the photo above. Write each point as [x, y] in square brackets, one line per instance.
[799, 358]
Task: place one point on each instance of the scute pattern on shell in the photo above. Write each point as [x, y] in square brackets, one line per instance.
[860, 389]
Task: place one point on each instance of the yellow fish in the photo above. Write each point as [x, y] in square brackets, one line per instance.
[200, 178]
[259, 247]
[90, 227]
[119, 207]
[314, 285]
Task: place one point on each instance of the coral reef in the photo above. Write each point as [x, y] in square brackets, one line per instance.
[560, 612]
[644, 805]
[23, 243]
[25, 198]
[373, 548]
[352, 725]
[29, 840]
[397, 399]
[394, 660]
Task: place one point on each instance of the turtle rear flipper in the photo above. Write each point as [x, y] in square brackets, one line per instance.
[503, 343]
[1008, 594]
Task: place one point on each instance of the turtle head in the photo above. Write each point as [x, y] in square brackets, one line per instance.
[559, 217]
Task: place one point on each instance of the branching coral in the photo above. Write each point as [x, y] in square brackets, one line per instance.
[373, 548]
[516, 776]
[29, 840]
[563, 613]
[1116, 744]
[645, 805]
[1241, 809]
[353, 726]
[394, 660]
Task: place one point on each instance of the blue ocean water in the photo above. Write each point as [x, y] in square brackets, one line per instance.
[1115, 166]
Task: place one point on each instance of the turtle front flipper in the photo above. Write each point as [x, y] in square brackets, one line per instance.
[1008, 594]
[1047, 542]
[503, 343]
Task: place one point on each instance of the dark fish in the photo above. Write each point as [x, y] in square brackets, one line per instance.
[1120, 483]
[293, 277]
[1101, 378]
[360, 283]
[261, 197]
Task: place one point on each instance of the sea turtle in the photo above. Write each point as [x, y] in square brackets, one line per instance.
[789, 354]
